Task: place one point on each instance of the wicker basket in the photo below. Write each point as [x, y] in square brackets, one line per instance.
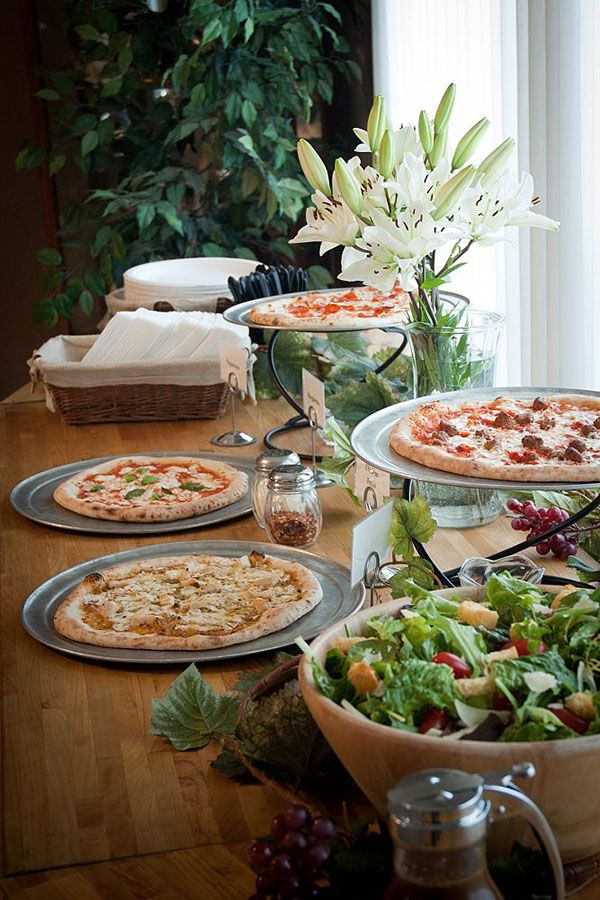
[116, 302]
[138, 402]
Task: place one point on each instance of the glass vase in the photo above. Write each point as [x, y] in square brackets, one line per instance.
[457, 357]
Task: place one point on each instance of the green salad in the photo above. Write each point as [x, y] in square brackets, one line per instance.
[519, 665]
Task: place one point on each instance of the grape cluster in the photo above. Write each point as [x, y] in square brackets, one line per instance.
[291, 863]
[537, 521]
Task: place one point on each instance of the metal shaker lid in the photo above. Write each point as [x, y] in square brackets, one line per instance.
[291, 478]
[271, 459]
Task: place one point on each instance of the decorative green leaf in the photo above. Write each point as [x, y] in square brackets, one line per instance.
[56, 163]
[229, 764]
[419, 571]
[249, 113]
[49, 257]
[145, 214]
[356, 401]
[411, 520]
[191, 714]
[86, 303]
[89, 142]
[113, 86]
[248, 30]
[125, 58]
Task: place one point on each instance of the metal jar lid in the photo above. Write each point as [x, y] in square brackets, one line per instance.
[271, 459]
[439, 808]
[295, 477]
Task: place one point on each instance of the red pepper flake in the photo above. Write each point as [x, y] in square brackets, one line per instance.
[292, 528]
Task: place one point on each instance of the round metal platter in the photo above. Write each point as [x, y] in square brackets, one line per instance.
[339, 600]
[370, 441]
[239, 315]
[33, 498]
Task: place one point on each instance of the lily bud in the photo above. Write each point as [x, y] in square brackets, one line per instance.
[444, 109]
[425, 131]
[439, 145]
[451, 192]
[348, 186]
[496, 161]
[387, 154]
[313, 167]
[377, 122]
[468, 142]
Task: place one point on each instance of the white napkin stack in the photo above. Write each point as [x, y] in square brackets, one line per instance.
[148, 335]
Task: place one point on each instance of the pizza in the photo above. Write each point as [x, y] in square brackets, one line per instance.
[332, 309]
[552, 438]
[152, 488]
[187, 602]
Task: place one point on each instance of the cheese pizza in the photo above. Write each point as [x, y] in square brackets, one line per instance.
[187, 602]
[331, 310]
[552, 438]
[152, 488]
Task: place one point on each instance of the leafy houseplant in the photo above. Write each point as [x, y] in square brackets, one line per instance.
[184, 123]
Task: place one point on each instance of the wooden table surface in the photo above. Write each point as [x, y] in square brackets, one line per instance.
[93, 805]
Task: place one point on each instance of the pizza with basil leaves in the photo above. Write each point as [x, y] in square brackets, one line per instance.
[152, 488]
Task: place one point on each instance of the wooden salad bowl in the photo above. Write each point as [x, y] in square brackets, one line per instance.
[567, 782]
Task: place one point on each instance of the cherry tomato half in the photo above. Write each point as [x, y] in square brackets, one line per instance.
[500, 702]
[460, 668]
[576, 723]
[435, 718]
[522, 646]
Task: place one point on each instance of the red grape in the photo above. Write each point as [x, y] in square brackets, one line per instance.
[296, 818]
[576, 723]
[290, 887]
[435, 718]
[261, 854]
[523, 646]
[265, 884]
[278, 827]
[280, 867]
[295, 841]
[538, 521]
[317, 856]
[323, 828]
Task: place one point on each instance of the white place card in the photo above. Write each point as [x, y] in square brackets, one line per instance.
[372, 534]
[313, 397]
[233, 361]
[371, 484]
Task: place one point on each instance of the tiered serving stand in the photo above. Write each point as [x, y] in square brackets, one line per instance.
[370, 441]
[239, 315]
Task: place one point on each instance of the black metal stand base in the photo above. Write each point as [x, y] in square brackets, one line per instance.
[449, 578]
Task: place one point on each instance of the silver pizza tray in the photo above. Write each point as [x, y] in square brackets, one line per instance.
[370, 441]
[239, 315]
[33, 498]
[339, 600]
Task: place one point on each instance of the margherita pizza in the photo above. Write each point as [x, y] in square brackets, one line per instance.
[187, 602]
[554, 438]
[332, 309]
[152, 488]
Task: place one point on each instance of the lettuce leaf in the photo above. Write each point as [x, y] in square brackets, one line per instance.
[511, 671]
[417, 685]
[512, 598]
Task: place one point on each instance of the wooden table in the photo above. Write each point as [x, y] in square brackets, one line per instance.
[93, 805]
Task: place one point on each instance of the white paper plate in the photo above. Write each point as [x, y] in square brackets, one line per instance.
[195, 273]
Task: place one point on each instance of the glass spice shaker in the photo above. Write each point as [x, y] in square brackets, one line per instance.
[264, 465]
[292, 511]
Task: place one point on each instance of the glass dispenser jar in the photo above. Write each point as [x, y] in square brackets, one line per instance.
[292, 510]
[264, 465]
[439, 820]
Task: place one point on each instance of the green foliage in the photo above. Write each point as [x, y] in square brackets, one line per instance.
[184, 125]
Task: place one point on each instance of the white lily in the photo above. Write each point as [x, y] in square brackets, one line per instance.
[405, 141]
[330, 222]
[485, 213]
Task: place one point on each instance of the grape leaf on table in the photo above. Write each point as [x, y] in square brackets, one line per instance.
[411, 521]
[191, 713]
[357, 400]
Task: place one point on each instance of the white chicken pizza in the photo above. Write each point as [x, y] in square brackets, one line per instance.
[551, 438]
[331, 310]
[152, 488]
[187, 602]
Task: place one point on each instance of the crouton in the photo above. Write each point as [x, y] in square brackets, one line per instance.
[564, 592]
[344, 643]
[582, 705]
[362, 677]
[509, 653]
[475, 687]
[472, 613]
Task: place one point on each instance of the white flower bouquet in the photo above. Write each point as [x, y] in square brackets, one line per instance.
[410, 216]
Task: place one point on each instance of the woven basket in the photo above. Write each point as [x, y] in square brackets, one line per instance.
[138, 402]
[116, 302]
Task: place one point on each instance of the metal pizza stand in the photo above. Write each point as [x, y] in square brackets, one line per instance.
[370, 441]
[240, 315]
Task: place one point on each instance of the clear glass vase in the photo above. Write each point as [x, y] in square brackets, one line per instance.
[457, 357]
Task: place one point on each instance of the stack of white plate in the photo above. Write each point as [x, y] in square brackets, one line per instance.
[187, 284]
